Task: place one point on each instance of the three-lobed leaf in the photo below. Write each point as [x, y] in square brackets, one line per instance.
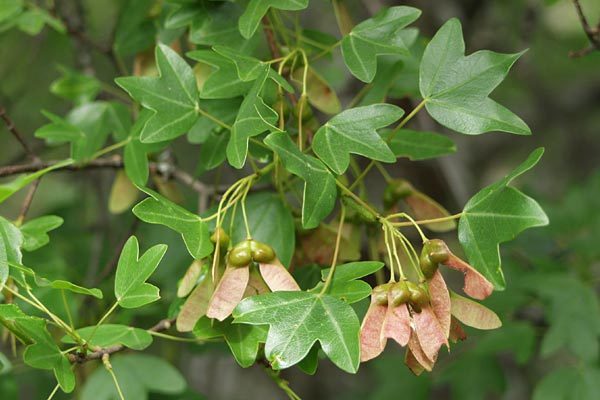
[355, 131]
[131, 288]
[455, 88]
[35, 231]
[376, 36]
[497, 214]
[157, 209]
[297, 320]
[173, 96]
[319, 184]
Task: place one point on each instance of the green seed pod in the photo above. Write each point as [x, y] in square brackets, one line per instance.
[261, 252]
[438, 251]
[223, 237]
[427, 266]
[418, 296]
[380, 294]
[240, 255]
[399, 293]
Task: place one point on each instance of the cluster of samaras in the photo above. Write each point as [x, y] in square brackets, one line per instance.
[425, 316]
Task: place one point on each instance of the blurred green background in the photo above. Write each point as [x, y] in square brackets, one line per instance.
[548, 347]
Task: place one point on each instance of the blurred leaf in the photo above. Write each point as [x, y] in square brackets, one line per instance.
[131, 289]
[122, 194]
[354, 131]
[138, 374]
[569, 383]
[455, 88]
[74, 86]
[35, 231]
[376, 36]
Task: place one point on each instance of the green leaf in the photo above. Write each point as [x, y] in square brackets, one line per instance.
[418, 145]
[254, 118]
[355, 131]
[12, 187]
[569, 383]
[138, 375]
[11, 240]
[346, 285]
[41, 351]
[35, 231]
[224, 110]
[71, 287]
[33, 20]
[297, 320]
[497, 214]
[354, 270]
[74, 86]
[157, 209]
[319, 184]
[108, 335]
[131, 289]
[135, 31]
[270, 221]
[223, 81]
[256, 9]
[213, 150]
[243, 340]
[456, 88]
[86, 127]
[10, 8]
[377, 36]
[220, 27]
[173, 97]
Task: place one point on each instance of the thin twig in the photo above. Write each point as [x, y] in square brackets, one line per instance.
[10, 125]
[593, 34]
[78, 358]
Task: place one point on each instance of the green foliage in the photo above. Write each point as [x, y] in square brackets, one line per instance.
[455, 88]
[354, 132]
[292, 333]
[497, 214]
[157, 209]
[417, 145]
[319, 184]
[173, 97]
[139, 375]
[131, 289]
[379, 35]
[256, 9]
[247, 105]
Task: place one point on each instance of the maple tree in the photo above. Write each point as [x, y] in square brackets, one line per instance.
[242, 80]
